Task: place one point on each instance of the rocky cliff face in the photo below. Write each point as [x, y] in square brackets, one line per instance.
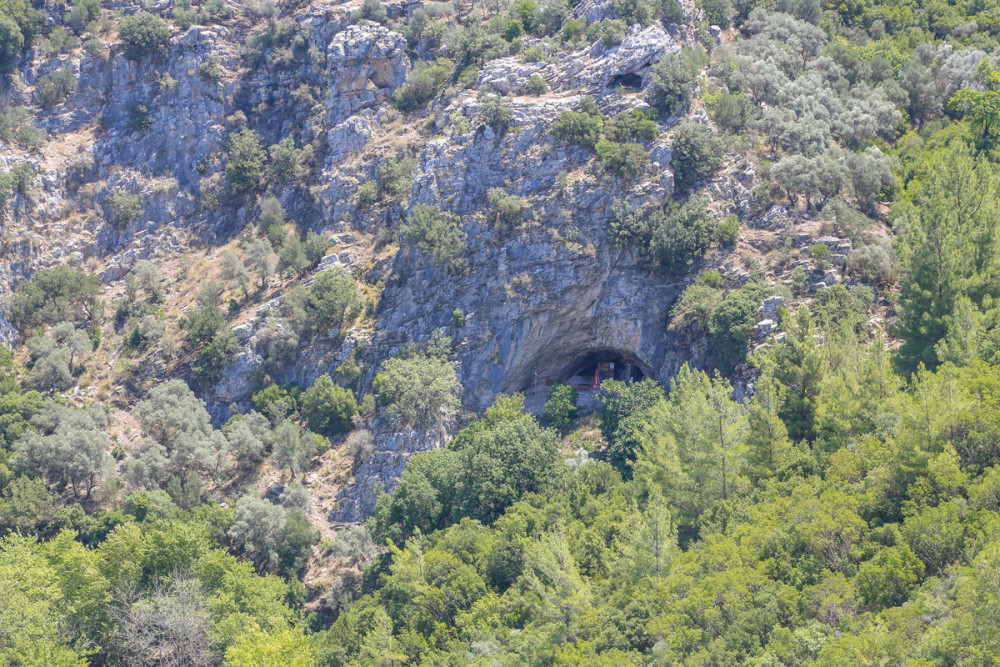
[538, 294]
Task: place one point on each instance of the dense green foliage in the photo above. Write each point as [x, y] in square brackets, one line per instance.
[142, 35]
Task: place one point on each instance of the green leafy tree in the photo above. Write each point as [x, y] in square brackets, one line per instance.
[246, 161]
[333, 298]
[671, 86]
[697, 153]
[143, 34]
[886, 579]
[59, 294]
[293, 447]
[328, 408]
[560, 406]
[11, 43]
[621, 417]
[981, 107]
[436, 233]
[417, 390]
[948, 247]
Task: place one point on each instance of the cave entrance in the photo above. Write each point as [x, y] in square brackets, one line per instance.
[627, 80]
[584, 370]
[589, 370]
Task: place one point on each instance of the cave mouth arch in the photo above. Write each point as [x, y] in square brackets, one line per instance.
[629, 80]
[579, 368]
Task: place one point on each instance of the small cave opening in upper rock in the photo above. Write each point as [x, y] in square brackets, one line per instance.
[627, 80]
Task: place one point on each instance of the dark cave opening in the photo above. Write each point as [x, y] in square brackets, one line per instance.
[627, 80]
[595, 366]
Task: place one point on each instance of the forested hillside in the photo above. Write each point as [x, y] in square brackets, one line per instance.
[303, 305]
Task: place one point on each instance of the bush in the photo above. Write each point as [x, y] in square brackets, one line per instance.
[246, 161]
[537, 85]
[284, 160]
[11, 43]
[16, 127]
[143, 34]
[560, 406]
[59, 294]
[583, 127]
[138, 117]
[509, 209]
[436, 233]
[82, 13]
[632, 125]
[371, 10]
[367, 194]
[216, 356]
[697, 152]
[732, 325]
[211, 68]
[328, 408]
[333, 296]
[425, 81]
[54, 88]
[415, 390]
[397, 177]
[680, 234]
[496, 111]
[611, 32]
[623, 160]
[125, 208]
[728, 231]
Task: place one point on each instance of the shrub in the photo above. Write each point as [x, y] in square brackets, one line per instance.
[59, 294]
[680, 234]
[697, 152]
[560, 406]
[125, 208]
[328, 408]
[397, 177]
[436, 233]
[216, 356]
[211, 68]
[333, 296]
[371, 10]
[246, 160]
[583, 127]
[537, 85]
[610, 32]
[138, 117]
[623, 160]
[642, 12]
[507, 208]
[16, 127]
[11, 43]
[732, 325]
[671, 86]
[495, 110]
[143, 34]
[415, 390]
[367, 194]
[728, 231]
[458, 318]
[533, 54]
[54, 88]
[82, 13]
[425, 81]
[631, 126]
[284, 160]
